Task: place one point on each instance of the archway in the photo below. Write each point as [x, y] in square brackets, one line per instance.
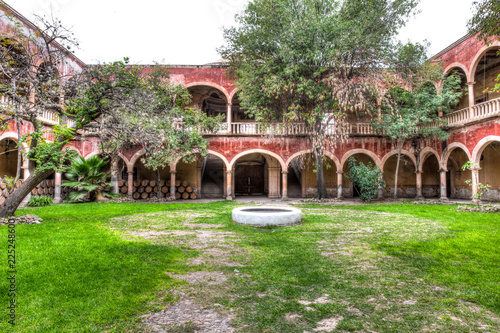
[464, 100]
[301, 177]
[455, 176]
[213, 177]
[407, 179]
[210, 100]
[430, 176]
[485, 75]
[489, 172]
[349, 188]
[256, 174]
[8, 158]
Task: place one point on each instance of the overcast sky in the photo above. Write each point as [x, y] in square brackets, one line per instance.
[189, 31]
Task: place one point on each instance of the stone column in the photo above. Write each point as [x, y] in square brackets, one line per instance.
[198, 176]
[114, 175]
[339, 184]
[229, 182]
[419, 186]
[475, 180]
[172, 183]
[57, 188]
[284, 176]
[130, 183]
[380, 193]
[229, 117]
[471, 99]
[225, 183]
[443, 184]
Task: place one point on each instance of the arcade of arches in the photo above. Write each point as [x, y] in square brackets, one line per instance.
[244, 162]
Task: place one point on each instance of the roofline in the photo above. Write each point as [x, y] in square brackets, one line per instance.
[456, 43]
[31, 25]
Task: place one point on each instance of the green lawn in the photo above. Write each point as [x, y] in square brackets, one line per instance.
[382, 268]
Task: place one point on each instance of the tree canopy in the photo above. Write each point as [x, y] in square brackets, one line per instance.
[313, 61]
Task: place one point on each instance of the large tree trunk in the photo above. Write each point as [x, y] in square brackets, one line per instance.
[19, 155]
[11, 204]
[158, 187]
[320, 176]
[399, 148]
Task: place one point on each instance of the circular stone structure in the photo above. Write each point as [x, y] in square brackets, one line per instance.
[262, 216]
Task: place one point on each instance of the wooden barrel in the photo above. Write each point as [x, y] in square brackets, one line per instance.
[51, 190]
[144, 195]
[185, 183]
[65, 189]
[145, 182]
[162, 183]
[123, 190]
[137, 183]
[136, 196]
[185, 195]
[3, 186]
[43, 183]
[46, 190]
[148, 189]
[167, 183]
[189, 189]
[181, 189]
[2, 200]
[192, 196]
[140, 189]
[177, 183]
[121, 183]
[19, 183]
[165, 190]
[40, 190]
[6, 193]
[152, 183]
[177, 196]
[34, 191]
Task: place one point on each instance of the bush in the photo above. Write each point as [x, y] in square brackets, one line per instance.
[40, 201]
[368, 178]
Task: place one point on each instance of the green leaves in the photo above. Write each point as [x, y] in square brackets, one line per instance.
[367, 178]
[86, 178]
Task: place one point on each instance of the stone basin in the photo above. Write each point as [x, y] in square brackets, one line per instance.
[262, 216]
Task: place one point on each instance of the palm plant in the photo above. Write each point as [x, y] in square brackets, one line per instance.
[87, 178]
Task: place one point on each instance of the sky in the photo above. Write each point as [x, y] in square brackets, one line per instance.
[188, 32]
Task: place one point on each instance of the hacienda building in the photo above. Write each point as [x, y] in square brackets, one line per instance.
[244, 160]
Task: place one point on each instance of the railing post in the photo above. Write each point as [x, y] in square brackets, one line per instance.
[229, 117]
[471, 99]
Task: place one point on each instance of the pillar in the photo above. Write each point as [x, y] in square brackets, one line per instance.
[419, 186]
[380, 193]
[284, 195]
[229, 182]
[471, 99]
[475, 180]
[57, 188]
[172, 183]
[114, 175]
[225, 183]
[198, 177]
[229, 117]
[339, 184]
[130, 183]
[443, 184]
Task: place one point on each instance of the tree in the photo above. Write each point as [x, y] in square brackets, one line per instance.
[112, 97]
[410, 109]
[367, 177]
[486, 19]
[312, 62]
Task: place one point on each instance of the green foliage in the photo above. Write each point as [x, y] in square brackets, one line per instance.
[368, 178]
[87, 179]
[481, 188]
[40, 201]
[486, 19]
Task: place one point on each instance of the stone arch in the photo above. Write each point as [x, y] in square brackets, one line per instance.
[403, 152]
[448, 69]
[74, 149]
[309, 151]
[471, 74]
[210, 84]
[448, 151]
[134, 158]
[424, 154]
[13, 137]
[353, 152]
[481, 145]
[233, 94]
[260, 151]
[211, 152]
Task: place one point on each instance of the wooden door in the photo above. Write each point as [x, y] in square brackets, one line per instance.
[249, 179]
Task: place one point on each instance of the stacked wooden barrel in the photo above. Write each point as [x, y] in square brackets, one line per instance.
[145, 189]
[47, 188]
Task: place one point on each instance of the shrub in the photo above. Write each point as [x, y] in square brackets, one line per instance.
[368, 178]
[40, 201]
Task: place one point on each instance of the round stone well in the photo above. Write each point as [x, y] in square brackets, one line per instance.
[264, 216]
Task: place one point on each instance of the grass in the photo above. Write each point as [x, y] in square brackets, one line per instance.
[383, 268]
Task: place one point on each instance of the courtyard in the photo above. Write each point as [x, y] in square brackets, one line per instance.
[186, 267]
